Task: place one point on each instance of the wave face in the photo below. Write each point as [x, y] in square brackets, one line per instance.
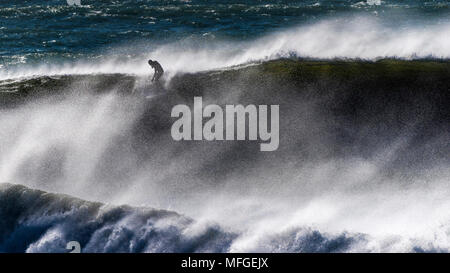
[105, 37]
[362, 165]
[363, 89]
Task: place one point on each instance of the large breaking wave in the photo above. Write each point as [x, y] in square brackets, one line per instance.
[362, 164]
[34, 221]
[363, 89]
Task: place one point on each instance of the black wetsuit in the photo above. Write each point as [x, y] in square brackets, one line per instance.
[159, 71]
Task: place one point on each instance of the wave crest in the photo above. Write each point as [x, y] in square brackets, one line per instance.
[354, 38]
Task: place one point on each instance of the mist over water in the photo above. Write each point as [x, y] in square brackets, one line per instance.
[383, 192]
[360, 167]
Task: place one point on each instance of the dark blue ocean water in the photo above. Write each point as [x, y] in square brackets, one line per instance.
[38, 31]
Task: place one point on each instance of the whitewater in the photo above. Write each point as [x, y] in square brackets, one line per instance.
[379, 180]
[360, 38]
[362, 165]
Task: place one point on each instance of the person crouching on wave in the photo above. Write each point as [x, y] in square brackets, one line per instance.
[157, 87]
[159, 71]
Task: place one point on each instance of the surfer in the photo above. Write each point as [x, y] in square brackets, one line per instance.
[157, 87]
[159, 71]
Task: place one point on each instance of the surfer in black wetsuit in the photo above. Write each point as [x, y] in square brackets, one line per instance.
[157, 87]
[159, 71]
